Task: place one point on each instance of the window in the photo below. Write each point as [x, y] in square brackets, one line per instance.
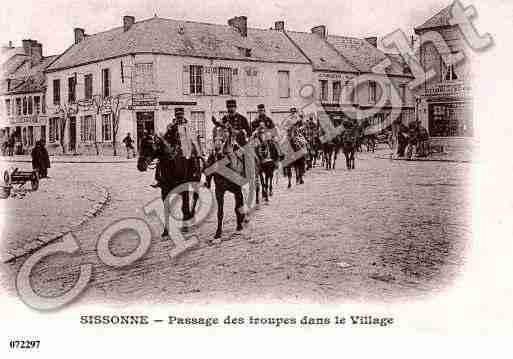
[388, 93]
[37, 104]
[106, 128]
[324, 90]
[87, 128]
[54, 130]
[196, 79]
[18, 106]
[198, 127]
[143, 77]
[402, 92]
[350, 91]
[225, 80]
[30, 136]
[448, 72]
[372, 91]
[24, 105]
[8, 107]
[105, 83]
[284, 84]
[43, 104]
[71, 90]
[88, 86]
[252, 81]
[337, 89]
[57, 92]
[30, 106]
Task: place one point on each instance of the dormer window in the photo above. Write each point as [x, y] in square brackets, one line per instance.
[243, 51]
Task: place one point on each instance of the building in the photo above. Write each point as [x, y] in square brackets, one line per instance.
[445, 102]
[22, 94]
[132, 77]
[340, 62]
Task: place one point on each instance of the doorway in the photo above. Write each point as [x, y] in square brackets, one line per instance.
[72, 134]
[145, 122]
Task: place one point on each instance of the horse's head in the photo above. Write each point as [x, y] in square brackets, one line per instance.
[149, 150]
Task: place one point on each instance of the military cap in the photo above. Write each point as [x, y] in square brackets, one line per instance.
[179, 110]
[293, 110]
[231, 103]
[261, 106]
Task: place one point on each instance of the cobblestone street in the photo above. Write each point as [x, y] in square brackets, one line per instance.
[388, 230]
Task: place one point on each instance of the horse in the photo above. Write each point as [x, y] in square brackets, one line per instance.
[297, 144]
[351, 138]
[225, 147]
[267, 157]
[330, 150]
[175, 170]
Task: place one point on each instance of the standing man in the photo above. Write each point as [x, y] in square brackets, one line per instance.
[128, 141]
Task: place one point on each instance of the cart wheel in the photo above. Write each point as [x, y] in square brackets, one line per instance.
[35, 181]
[7, 178]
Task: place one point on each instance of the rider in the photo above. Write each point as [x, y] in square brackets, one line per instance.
[237, 122]
[172, 135]
[268, 125]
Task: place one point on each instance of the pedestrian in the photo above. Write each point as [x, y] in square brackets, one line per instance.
[128, 141]
[40, 159]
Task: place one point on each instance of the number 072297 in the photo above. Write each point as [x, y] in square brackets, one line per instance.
[24, 344]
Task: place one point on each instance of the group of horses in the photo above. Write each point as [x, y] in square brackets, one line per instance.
[257, 162]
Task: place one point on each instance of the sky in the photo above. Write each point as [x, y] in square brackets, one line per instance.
[52, 22]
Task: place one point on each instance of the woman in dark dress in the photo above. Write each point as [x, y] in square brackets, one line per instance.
[40, 159]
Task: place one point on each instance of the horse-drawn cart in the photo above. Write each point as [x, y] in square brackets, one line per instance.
[18, 177]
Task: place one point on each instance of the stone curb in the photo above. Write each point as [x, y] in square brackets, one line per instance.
[423, 159]
[46, 239]
[24, 160]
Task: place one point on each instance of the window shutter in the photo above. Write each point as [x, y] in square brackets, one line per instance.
[215, 81]
[186, 80]
[235, 90]
[207, 81]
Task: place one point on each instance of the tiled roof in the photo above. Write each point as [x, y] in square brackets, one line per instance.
[438, 20]
[31, 79]
[323, 56]
[11, 65]
[363, 55]
[184, 38]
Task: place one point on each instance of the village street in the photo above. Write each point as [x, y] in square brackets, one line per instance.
[385, 231]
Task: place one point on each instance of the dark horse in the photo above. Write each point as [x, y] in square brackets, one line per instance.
[350, 140]
[330, 151]
[266, 158]
[175, 170]
[299, 146]
[225, 148]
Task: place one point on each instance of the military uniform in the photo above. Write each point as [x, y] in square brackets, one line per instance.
[238, 123]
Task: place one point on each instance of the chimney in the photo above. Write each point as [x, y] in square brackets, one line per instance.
[10, 44]
[279, 25]
[36, 53]
[239, 23]
[372, 40]
[79, 34]
[27, 45]
[128, 21]
[320, 31]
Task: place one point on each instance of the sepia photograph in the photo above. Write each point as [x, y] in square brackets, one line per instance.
[226, 165]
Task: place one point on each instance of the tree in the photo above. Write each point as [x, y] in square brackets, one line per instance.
[116, 104]
[65, 111]
[95, 103]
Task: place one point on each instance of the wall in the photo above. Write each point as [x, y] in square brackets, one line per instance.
[168, 88]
